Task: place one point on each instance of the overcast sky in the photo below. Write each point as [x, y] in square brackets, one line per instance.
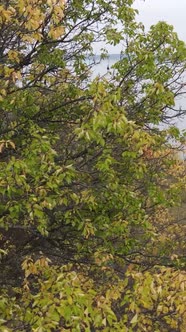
[152, 11]
[174, 13]
[171, 11]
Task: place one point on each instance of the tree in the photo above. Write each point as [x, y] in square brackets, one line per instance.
[88, 175]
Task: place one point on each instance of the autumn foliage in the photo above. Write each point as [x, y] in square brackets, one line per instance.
[91, 183]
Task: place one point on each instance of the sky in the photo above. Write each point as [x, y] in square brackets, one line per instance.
[152, 11]
[171, 11]
[174, 13]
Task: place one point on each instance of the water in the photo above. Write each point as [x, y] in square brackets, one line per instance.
[102, 66]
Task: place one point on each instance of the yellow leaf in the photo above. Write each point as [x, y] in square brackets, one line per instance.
[1, 147]
[69, 299]
[12, 144]
[56, 33]
[43, 262]
[3, 92]
[26, 286]
[13, 55]
[104, 322]
[134, 319]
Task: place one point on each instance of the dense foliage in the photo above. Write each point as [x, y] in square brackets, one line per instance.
[89, 173]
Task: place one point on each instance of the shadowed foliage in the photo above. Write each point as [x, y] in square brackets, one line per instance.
[91, 237]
